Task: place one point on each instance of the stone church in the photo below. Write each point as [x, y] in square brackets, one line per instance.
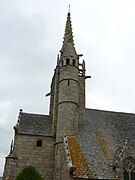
[73, 142]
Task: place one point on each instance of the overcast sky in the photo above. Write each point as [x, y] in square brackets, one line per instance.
[31, 35]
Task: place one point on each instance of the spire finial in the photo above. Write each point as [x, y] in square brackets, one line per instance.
[69, 8]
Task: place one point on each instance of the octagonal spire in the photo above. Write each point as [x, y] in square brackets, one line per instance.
[68, 48]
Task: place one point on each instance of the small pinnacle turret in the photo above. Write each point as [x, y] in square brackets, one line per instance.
[68, 48]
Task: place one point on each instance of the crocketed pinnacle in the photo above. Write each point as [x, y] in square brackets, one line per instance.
[68, 48]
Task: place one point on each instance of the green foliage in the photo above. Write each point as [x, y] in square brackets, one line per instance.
[29, 173]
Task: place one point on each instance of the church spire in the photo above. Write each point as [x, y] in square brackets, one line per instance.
[68, 48]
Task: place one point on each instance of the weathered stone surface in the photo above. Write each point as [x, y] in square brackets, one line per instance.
[27, 153]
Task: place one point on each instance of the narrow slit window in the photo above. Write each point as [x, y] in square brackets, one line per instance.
[39, 143]
[68, 82]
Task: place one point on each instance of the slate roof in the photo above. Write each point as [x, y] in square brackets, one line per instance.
[98, 139]
[78, 160]
[35, 124]
[102, 134]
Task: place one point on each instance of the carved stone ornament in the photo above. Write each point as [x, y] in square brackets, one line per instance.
[124, 162]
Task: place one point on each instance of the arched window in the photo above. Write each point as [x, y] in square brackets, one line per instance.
[39, 143]
[129, 169]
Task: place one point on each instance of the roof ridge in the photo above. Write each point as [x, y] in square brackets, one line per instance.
[35, 114]
[131, 113]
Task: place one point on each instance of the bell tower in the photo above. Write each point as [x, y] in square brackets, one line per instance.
[67, 120]
[67, 105]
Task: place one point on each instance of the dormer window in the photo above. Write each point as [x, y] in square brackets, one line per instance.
[39, 143]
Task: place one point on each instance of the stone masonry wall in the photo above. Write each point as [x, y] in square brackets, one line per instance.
[81, 99]
[27, 152]
[68, 102]
[61, 165]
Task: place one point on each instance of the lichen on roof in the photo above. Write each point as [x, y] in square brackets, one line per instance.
[104, 146]
[101, 135]
[78, 160]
